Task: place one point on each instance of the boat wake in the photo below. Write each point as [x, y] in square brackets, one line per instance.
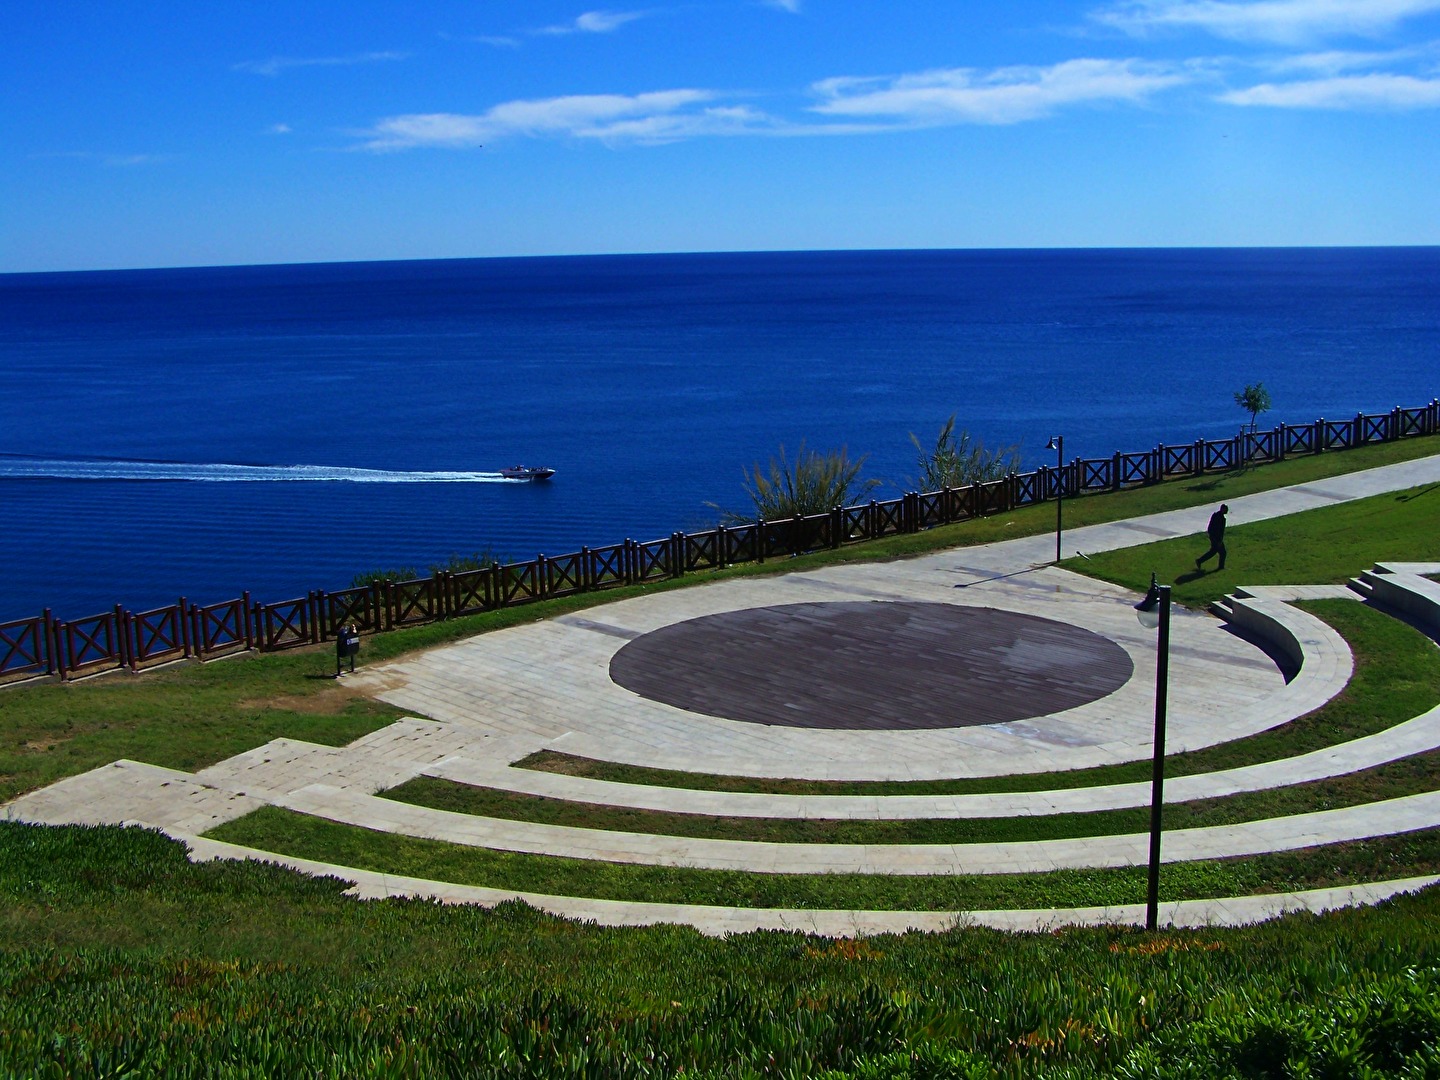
[14, 466]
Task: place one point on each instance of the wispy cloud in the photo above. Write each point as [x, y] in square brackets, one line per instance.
[594, 22]
[499, 41]
[792, 6]
[658, 116]
[1335, 61]
[1380, 92]
[1282, 21]
[277, 64]
[278, 129]
[846, 106]
[1000, 96]
[112, 161]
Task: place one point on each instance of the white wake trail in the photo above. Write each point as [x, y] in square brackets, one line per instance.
[70, 469]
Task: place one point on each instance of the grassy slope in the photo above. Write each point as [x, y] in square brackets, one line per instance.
[116, 947]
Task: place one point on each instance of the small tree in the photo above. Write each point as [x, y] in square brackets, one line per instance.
[1254, 400]
[957, 460]
[813, 483]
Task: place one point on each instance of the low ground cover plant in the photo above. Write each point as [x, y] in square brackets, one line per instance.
[122, 958]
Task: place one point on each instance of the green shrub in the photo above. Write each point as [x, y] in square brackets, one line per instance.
[957, 461]
[813, 483]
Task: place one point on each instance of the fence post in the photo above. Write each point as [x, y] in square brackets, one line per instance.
[837, 522]
[182, 630]
[57, 646]
[125, 651]
[437, 593]
[247, 627]
[759, 540]
[47, 620]
[722, 547]
[197, 632]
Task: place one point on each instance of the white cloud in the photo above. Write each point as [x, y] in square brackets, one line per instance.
[113, 161]
[497, 41]
[665, 114]
[1283, 21]
[792, 6]
[1339, 61]
[1001, 96]
[594, 22]
[1331, 63]
[276, 64]
[1367, 92]
[847, 106]
[278, 129]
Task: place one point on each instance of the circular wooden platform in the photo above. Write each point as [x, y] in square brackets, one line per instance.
[872, 665]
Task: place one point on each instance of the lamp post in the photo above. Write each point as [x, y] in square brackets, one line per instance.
[1154, 611]
[1057, 443]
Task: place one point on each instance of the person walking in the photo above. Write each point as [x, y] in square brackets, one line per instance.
[1216, 531]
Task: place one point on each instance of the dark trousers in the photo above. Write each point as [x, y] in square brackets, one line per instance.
[1217, 547]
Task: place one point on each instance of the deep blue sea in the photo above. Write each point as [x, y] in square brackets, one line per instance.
[648, 382]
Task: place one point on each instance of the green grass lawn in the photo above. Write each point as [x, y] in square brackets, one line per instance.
[120, 958]
[1331, 544]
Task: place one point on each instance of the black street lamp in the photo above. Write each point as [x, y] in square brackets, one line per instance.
[1057, 443]
[1154, 611]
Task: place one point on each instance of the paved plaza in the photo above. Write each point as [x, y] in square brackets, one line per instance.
[973, 662]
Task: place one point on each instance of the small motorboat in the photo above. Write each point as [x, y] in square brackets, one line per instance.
[527, 472]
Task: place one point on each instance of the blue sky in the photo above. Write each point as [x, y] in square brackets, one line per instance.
[168, 133]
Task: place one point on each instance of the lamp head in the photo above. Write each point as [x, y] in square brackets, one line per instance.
[1148, 610]
[1056, 441]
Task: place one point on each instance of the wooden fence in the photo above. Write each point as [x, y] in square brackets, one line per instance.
[120, 638]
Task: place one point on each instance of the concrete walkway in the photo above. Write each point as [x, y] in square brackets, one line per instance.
[501, 696]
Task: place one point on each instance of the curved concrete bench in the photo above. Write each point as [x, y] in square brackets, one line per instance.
[1404, 587]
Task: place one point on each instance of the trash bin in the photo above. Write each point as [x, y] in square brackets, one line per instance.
[347, 645]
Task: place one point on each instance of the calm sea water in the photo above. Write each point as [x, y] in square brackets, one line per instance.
[648, 382]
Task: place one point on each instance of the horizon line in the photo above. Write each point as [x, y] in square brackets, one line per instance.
[715, 252]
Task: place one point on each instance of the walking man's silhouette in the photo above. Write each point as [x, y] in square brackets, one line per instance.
[1216, 531]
